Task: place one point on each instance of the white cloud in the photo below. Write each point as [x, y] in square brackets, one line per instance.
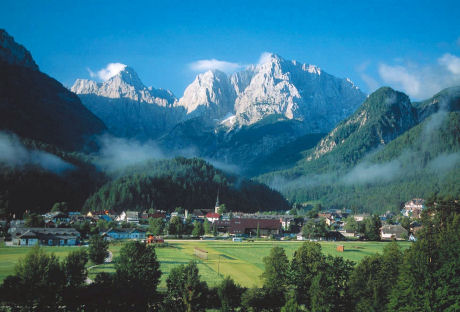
[15, 154]
[265, 57]
[423, 81]
[451, 62]
[212, 64]
[400, 76]
[108, 72]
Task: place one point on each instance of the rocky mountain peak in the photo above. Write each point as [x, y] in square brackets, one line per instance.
[124, 84]
[210, 94]
[14, 53]
[296, 91]
[127, 76]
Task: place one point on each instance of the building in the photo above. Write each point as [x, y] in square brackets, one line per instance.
[212, 216]
[45, 236]
[201, 213]
[361, 217]
[57, 217]
[124, 234]
[413, 208]
[241, 226]
[128, 216]
[347, 233]
[286, 222]
[393, 232]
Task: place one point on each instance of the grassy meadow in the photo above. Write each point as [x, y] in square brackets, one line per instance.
[242, 261]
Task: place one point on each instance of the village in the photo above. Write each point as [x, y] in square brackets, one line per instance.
[61, 228]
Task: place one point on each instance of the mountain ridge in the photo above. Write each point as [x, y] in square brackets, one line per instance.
[34, 105]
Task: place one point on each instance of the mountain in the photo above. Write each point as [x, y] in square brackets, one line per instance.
[387, 152]
[13, 53]
[384, 115]
[251, 114]
[34, 105]
[127, 107]
[210, 95]
[447, 100]
[297, 91]
[35, 175]
[186, 183]
[220, 116]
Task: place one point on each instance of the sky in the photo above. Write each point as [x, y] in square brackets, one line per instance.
[413, 46]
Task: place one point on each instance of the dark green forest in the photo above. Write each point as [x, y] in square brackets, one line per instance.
[181, 182]
[34, 188]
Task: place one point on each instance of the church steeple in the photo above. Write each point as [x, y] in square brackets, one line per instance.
[216, 209]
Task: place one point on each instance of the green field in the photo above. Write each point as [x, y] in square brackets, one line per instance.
[242, 261]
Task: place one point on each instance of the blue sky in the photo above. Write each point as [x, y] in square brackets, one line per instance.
[413, 46]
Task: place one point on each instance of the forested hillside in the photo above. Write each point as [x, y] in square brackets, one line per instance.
[43, 175]
[351, 168]
[180, 182]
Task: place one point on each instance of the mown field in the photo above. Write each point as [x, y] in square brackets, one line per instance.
[243, 261]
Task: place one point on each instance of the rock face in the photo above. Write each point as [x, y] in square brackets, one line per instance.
[296, 91]
[13, 53]
[127, 107]
[210, 95]
[36, 106]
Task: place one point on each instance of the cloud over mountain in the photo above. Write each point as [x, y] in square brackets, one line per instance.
[104, 74]
[213, 64]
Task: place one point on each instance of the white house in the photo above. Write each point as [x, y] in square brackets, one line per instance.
[128, 216]
[212, 216]
[413, 208]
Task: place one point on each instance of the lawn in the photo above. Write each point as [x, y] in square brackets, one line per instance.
[243, 261]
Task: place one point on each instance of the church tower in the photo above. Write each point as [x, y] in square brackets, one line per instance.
[216, 208]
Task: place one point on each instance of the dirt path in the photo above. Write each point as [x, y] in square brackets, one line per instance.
[109, 259]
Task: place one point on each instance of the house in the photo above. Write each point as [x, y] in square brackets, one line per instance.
[124, 234]
[212, 216]
[128, 216]
[57, 217]
[238, 226]
[286, 222]
[45, 236]
[393, 232]
[201, 213]
[361, 217]
[413, 208]
[347, 233]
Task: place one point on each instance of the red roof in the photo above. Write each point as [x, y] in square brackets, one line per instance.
[212, 215]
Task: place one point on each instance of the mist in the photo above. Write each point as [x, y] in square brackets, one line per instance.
[373, 173]
[115, 154]
[15, 154]
[444, 162]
